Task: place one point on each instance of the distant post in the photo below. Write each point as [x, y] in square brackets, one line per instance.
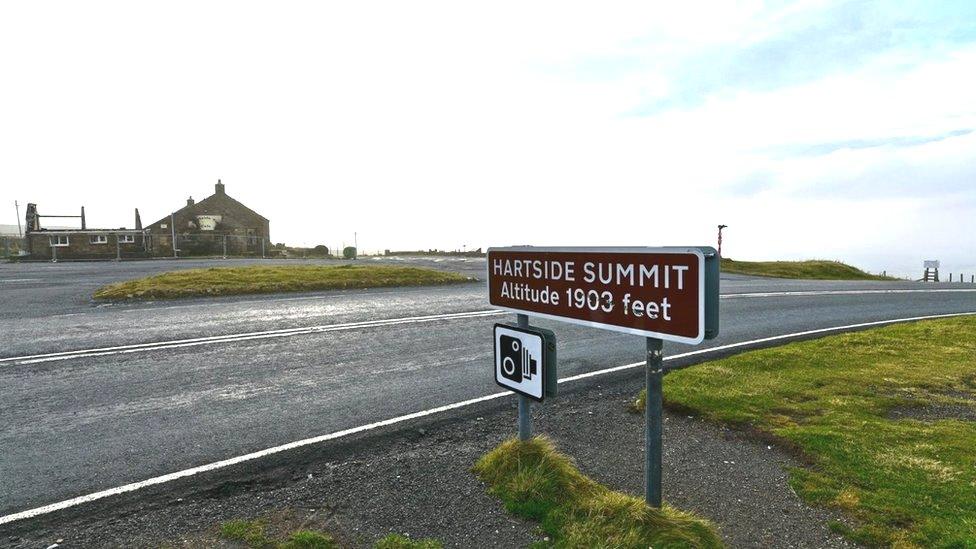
[118, 248]
[720, 227]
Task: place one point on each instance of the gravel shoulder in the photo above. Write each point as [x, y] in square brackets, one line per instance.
[415, 479]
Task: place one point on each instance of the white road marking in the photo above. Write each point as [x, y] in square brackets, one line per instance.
[286, 332]
[800, 293]
[73, 502]
[177, 343]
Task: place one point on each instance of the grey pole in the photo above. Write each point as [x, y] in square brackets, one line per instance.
[653, 406]
[172, 225]
[524, 404]
[262, 247]
[118, 249]
[225, 246]
[20, 232]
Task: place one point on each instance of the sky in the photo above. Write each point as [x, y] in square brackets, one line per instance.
[828, 130]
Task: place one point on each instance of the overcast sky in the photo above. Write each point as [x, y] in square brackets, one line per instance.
[838, 130]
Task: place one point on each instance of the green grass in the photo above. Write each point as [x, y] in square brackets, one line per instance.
[396, 541]
[536, 482]
[253, 534]
[905, 482]
[811, 269]
[259, 279]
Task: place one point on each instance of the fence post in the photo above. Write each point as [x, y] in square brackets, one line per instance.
[225, 246]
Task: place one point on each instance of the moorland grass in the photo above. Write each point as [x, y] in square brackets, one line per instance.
[261, 279]
[906, 480]
[536, 482]
[814, 269]
[253, 534]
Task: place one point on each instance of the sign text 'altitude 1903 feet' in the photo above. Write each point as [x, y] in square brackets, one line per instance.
[666, 293]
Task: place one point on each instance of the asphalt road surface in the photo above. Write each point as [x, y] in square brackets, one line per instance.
[96, 396]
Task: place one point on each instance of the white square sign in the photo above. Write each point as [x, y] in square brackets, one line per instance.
[519, 360]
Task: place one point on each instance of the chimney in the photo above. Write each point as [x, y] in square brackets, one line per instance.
[138, 221]
[219, 187]
[189, 201]
[83, 218]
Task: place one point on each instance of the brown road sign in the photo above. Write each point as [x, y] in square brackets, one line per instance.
[666, 293]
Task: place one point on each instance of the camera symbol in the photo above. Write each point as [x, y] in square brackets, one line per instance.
[517, 362]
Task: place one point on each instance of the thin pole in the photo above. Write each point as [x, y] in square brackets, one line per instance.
[262, 247]
[524, 404]
[653, 409]
[118, 249]
[225, 246]
[172, 225]
[20, 233]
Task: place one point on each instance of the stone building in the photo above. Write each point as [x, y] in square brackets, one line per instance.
[216, 225]
[84, 243]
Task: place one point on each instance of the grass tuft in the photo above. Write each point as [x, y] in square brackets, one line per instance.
[535, 481]
[250, 532]
[308, 539]
[261, 279]
[815, 269]
[254, 534]
[396, 541]
[905, 481]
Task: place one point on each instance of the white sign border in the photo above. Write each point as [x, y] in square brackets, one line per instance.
[611, 249]
[542, 360]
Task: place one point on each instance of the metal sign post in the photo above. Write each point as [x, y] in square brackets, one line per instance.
[524, 404]
[653, 411]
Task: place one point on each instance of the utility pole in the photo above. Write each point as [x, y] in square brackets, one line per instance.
[20, 233]
[720, 227]
[172, 225]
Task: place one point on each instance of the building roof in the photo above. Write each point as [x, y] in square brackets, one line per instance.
[212, 198]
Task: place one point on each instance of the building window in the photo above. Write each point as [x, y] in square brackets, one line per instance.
[98, 239]
[60, 240]
[123, 238]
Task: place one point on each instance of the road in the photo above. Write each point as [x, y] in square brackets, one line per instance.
[98, 396]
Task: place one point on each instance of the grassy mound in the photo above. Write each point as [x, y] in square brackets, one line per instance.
[536, 482]
[887, 416]
[810, 269]
[254, 534]
[259, 279]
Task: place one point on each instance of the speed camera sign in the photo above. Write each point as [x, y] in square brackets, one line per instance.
[525, 360]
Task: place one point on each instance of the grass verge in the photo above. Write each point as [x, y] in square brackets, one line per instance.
[885, 416]
[260, 279]
[536, 482]
[814, 269]
[253, 534]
